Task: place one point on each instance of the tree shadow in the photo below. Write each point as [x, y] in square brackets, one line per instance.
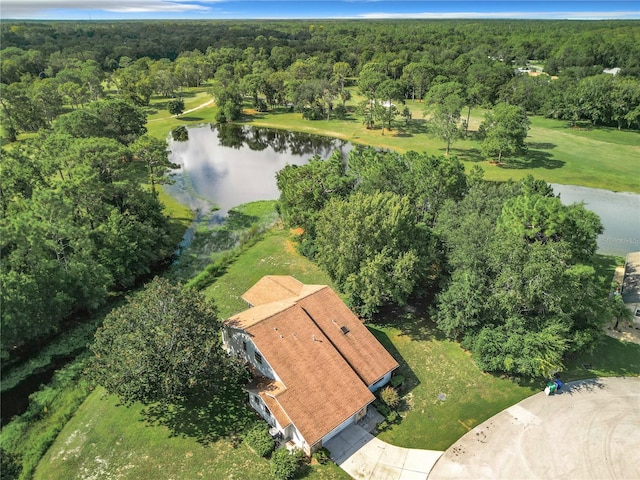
[411, 128]
[190, 119]
[205, 417]
[534, 159]
[541, 145]
[467, 154]
[237, 220]
[411, 379]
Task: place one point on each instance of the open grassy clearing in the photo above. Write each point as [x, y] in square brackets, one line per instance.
[107, 440]
[275, 254]
[597, 157]
[436, 368]
[593, 157]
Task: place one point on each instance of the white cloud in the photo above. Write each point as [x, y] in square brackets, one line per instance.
[40, 8]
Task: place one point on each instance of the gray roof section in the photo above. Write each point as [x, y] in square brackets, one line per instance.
[631, 282]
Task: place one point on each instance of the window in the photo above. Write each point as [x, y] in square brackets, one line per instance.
[267, 411]
[258, 357]
[244, 345]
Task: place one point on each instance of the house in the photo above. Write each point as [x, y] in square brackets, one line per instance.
[315, 365]
[631, 285]
[612, 71]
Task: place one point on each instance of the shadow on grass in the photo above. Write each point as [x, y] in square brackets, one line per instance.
[467, 154]
[610, 357]
[605, 266]
[411, 128]
[237, 220]
[411, 379]
[541, 145]
[534, 159]
[206, 417]
[190, 119]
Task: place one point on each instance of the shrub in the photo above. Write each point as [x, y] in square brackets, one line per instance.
[382, 426]
[340, 112]
[393, 416]
[322, 456]
[259, 440]
[284, 465]
[261, 105]
[397, 381]
[389, 395]
[383, 409]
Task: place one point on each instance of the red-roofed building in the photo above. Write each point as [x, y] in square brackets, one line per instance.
[315, 363]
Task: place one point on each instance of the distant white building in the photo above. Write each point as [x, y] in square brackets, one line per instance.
[612, 71]
[631, 285]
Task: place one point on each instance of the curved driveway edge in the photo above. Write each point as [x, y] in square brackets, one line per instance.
[365, 457]
[589, 430]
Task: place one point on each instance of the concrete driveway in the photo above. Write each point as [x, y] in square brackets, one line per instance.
[590, 430]
[363, 456]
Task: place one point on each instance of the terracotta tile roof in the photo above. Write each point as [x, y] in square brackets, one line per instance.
[358, 346]
[321, 390]
[272, 288]
[324, 355]
[269, 390]
[245, 319]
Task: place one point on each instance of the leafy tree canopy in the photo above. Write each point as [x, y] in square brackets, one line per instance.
[372, 247]
[162, 345]
[518, 295]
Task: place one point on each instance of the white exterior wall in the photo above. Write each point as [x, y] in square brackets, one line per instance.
[380, 383]
[258, 405]
[233, 339]
[292, 433]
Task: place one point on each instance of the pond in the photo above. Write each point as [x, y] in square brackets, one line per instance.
[226, 166]
[618, 211]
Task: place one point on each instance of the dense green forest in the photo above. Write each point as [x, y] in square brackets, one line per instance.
[76, 223]
[505, 268]
[510, 263]
[47, 67]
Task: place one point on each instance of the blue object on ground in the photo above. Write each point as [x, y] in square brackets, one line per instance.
[558, 383]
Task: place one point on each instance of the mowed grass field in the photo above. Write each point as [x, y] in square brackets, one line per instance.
[105, 440]
[444, 395]
[597, 157]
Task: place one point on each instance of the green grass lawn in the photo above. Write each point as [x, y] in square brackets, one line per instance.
[433, 367]
[160, 122]
[593, 157]
[275, 254]
[610, 358]
[108, 440]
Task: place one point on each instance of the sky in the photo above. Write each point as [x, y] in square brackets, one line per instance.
[316, 9]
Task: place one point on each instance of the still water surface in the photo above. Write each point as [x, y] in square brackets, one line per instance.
[228, 166]
[618, 211]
